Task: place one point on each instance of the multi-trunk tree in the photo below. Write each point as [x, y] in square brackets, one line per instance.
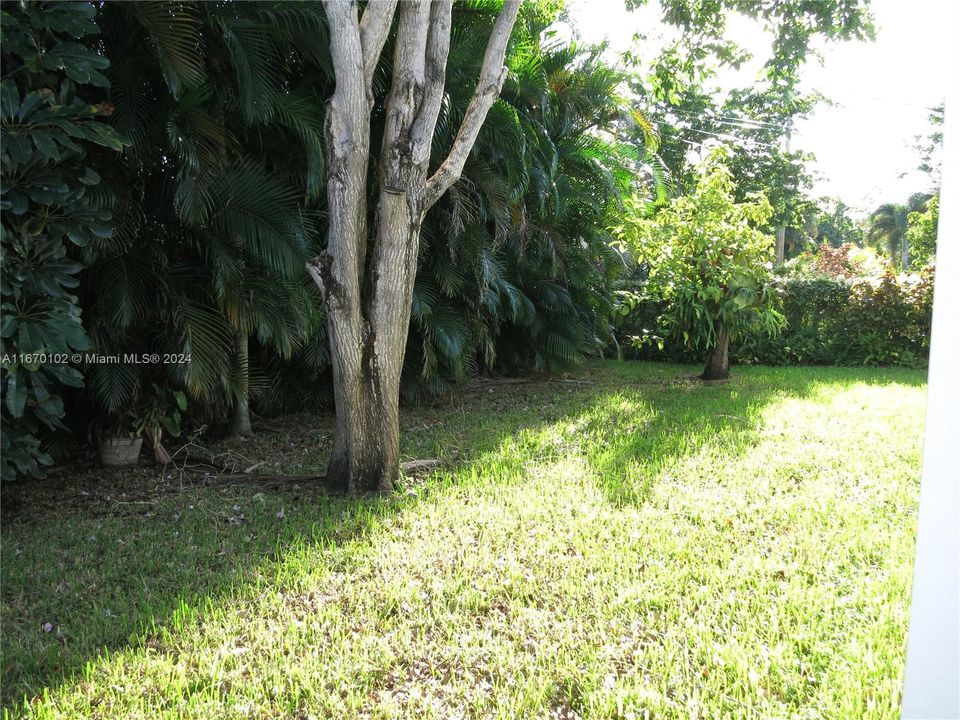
[366, 273]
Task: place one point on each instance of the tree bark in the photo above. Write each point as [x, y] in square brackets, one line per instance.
[240, 423]
[367, 282]
[718, 363]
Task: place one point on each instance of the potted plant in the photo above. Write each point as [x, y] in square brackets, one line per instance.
[120, 445]
[159, 411]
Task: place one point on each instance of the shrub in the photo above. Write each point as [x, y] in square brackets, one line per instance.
[812, 308]
[888, 320]
[48, 122]
[834, 262]
[829, 321]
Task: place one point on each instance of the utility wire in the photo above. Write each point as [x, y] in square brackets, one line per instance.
[741, 122]
[725, 136]
[745, 125]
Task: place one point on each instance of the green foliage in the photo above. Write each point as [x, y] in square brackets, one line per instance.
[793, 25]
[891, 318]
[158, 410]
[921, 234]
[833, 223]
[49, 116]
[217, 200]
[865, 321]
[756, 122]
[828, 321]
[814, 310]
[212, 232]
[706, 261]
[888, 228]
[515, 261]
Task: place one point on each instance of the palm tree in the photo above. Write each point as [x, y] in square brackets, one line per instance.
[516, 263]
[219, 199]
[222, 103]
[888, 227]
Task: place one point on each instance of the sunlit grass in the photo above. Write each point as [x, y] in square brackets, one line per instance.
[615, 545]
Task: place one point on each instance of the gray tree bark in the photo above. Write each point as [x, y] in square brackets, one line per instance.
[367, 278]
[240, 422]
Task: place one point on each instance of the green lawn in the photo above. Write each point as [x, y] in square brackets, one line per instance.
[614, 545]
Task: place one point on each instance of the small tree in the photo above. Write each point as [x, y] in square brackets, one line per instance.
[708, 264]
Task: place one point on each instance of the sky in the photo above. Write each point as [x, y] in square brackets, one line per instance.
[882, 90]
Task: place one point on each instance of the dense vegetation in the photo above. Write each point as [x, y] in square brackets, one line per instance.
[827, 320]
[51, 118]
[164, 176]
[218, 200]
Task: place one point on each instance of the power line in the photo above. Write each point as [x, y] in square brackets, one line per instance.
[725, 136]
[737, 122]
[745, 125]
[749, 121]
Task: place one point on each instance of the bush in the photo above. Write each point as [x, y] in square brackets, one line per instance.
[829, 321]
[845, 261]
[813, 308]
[48, 123]
[888, 320]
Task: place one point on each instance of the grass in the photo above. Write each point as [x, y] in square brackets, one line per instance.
[615, 545]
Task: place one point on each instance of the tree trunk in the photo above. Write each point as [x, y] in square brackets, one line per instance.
[718, 363]
[904, 254]
[366, 448]
[368, 290]
[367, 367]
[240, 424]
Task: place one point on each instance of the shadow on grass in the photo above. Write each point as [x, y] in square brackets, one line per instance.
[687, 416]
[109, 581]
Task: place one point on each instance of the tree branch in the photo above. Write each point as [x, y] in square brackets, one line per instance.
[406, 93]
[435, 72]
[374, 29]
[347, 131]
[492, 75]
[345, 49]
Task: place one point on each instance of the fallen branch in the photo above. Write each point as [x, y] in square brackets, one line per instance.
[258, 478]
[484, 384]
[411, 467]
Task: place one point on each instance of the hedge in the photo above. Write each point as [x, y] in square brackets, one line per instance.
[830, 321]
